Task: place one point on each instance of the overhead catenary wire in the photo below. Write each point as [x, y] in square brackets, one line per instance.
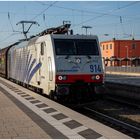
[105, 14]
[77, 10]
[72, 9]
[44, 10]
[31, 19]
[101, 14]
[9, 18]
[93, 12]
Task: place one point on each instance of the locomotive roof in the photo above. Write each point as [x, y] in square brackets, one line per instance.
[74, 36]
[62, 36]
[55, 36]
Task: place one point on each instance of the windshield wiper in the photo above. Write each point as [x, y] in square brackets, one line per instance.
[88, 56]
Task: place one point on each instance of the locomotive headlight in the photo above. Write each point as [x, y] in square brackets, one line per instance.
[62, 77]
[97, 77]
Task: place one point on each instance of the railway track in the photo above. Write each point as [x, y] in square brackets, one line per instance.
[118, 113]
[123, 101]
[126, 128]
[106, 117]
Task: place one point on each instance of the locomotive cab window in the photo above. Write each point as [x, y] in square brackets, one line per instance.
[65, 47]
[76, 47]
[42, 48]
[87, 47]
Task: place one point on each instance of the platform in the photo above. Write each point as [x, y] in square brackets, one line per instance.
[123, 79]
[25, 114]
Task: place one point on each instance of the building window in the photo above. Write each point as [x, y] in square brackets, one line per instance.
[133, 46]
[110, 46]
[107, 46]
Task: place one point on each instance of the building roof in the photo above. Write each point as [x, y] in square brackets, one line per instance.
[115, 40]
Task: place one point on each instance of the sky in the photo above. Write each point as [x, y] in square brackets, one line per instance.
[107, 19]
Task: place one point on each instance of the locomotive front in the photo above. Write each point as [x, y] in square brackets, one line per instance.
[79, 68]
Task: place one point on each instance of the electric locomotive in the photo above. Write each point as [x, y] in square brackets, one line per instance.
[60, 65]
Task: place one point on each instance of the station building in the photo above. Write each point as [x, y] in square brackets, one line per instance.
[121, 52]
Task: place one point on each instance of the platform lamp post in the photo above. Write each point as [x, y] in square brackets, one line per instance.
[86, 28]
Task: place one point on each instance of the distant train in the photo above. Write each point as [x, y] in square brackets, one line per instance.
[60, 65]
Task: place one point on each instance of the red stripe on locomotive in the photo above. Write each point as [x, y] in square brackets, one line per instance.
[87, 78]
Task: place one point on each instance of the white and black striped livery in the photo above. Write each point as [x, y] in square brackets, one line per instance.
[57, 64]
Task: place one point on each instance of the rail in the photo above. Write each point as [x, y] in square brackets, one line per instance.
[124, 126]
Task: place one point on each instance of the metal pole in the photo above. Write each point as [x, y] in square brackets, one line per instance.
[127, 54]
[86, 28]
[23, 26]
